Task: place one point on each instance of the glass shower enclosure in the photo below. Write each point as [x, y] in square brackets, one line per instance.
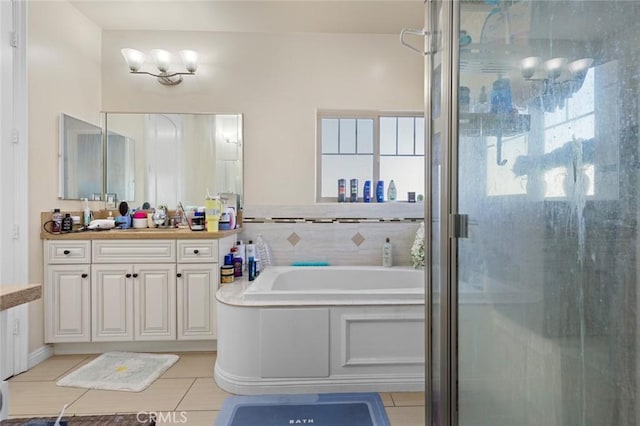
[533, 172]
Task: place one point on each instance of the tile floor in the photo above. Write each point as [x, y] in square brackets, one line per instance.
[188, 387]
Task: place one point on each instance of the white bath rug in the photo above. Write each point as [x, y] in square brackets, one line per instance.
[123, 371]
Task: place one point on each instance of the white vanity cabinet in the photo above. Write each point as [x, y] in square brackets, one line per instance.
[67, 301]
[198, 279]
[133, 301]
[133, 289]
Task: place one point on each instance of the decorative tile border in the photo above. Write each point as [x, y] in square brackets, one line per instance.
[327, 220]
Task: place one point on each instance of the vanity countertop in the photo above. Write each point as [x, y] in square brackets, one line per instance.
[14, 295]
[139, 234]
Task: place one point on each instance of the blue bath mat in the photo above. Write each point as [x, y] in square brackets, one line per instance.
[329, 409]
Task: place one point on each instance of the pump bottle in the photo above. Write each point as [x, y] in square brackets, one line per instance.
[387, 254]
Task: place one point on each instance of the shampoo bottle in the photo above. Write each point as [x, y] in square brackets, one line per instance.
[387, 254]
[366, 192]
[380, 191]
[391, 191]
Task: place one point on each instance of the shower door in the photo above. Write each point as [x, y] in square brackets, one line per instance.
[534, 211]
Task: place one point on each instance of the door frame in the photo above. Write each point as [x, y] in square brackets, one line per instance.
[446, 401]
[14, 201]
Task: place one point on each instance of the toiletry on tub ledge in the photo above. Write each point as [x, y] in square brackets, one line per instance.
[251, 268]
[387, 254]
[242, 254]
[251, 250]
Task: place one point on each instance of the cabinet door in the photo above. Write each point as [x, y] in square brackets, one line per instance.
[197, 284]
[111, 303]
[155, 301]
[67, 304]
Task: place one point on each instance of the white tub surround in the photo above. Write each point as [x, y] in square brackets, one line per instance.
[322, 329]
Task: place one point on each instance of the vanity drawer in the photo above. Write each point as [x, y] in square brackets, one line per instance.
[62, 252]
[134, 251]
[197, 251]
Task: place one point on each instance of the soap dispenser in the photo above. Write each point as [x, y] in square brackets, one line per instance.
[387, 254]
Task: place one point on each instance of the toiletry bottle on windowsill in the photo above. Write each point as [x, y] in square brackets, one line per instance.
[392, 194]
[380, 191]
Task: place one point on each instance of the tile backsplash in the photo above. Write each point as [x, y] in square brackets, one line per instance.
[317, 233]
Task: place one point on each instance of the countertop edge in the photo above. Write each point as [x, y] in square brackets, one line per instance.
[136, 234]
[14, 295]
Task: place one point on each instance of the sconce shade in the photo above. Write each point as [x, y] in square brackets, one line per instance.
[162, 58]
[529, 65]
[554, 66]
[134, 58]
[579, 67]
[189, 59]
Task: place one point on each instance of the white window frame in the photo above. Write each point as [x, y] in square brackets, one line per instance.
[355, 114]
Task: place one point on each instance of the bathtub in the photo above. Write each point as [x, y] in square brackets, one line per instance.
[338, 284]
[322, 329]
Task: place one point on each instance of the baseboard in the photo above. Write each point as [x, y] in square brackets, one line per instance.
[143, 346]
[241, 385]
[39, 355]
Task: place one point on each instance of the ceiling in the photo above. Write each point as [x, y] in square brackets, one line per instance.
[329, 16]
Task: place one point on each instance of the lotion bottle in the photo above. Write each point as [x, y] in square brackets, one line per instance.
[387, 254]
[391, 191]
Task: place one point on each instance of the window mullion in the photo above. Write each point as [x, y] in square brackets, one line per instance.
[376, 152]
[339, 134]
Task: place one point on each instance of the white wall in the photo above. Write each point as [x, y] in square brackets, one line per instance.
[64, 74]
[277, 81]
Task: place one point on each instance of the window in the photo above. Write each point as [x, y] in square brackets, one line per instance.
[370, 146]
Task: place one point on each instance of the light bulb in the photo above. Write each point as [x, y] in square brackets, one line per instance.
[162, 59]
[189, 59]
[134, 58]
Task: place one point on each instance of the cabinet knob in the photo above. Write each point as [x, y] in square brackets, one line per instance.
[128, 275]
[196, 251]
[67, 252]
[84, 275]
[135, 275]
[178, 275]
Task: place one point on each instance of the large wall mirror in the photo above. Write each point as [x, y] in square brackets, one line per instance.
[164, 159]
[81, 159]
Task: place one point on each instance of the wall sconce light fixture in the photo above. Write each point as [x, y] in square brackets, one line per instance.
[562, 79]
[162, 58]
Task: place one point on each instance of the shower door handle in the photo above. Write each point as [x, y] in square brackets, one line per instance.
[458, 226]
